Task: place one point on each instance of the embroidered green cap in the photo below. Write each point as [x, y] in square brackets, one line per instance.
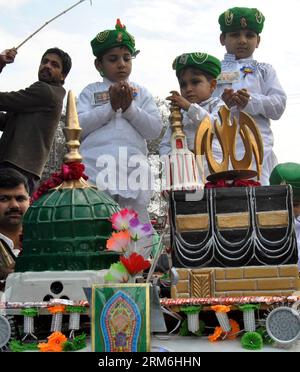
[108, 39]
[287, 173]
[237, 18]
[201, 61]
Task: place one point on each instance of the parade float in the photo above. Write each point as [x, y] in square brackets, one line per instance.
[232, 248]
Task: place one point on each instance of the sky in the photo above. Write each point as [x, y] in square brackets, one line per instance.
[163, 29]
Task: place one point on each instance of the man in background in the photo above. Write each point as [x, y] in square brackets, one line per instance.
[31, 117]
[14, 202]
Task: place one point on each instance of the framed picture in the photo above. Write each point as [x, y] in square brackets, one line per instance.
[121, 318]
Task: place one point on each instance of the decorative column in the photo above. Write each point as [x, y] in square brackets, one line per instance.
[28, 326]
[74, 320]
[249, 316]
[221, 314]
[192, 313]
[57, 315]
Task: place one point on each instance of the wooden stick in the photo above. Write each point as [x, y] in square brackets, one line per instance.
[46, 23]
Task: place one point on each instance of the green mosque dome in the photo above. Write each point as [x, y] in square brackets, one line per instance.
[67, 229]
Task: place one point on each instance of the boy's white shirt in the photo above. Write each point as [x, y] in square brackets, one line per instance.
[191, 120]
[268, 99]
[104, 131]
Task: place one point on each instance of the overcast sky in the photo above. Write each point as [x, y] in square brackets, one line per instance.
[163, 29]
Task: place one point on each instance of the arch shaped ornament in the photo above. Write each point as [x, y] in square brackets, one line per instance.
[226, 133]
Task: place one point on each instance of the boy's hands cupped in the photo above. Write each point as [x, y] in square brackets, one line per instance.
[121, 96]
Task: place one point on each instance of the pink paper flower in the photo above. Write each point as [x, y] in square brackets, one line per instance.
[120, 220]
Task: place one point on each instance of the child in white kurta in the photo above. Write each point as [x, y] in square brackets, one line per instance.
[197, 74]
[117, 116]
[247, 85]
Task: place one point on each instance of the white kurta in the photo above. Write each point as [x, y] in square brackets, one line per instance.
[114, 144]
[268, 101]
[191, 120]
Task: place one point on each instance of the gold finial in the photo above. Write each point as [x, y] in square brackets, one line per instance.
[176, 120]
[72, 131]
[226, 133]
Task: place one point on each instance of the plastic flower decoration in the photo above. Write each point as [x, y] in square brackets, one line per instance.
[55, 343]
[130, 233]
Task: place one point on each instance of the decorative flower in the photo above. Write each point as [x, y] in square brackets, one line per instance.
[131, 230]
[139, 230]
[56, 340]
[56, 309]
[135, 263]
[55, 343]
[252, 341]
[70, 171]
[246, 70]
[44, 347]
[235, 329]
[119, 241]
[120, 220]
[221, 308]
[216, 335]
[117, 274]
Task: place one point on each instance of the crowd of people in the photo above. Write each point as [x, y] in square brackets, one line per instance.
[118, 116]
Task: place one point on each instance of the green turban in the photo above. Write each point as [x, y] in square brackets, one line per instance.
[287, 173]
[235, 19]
[202, 61]
[113, 38]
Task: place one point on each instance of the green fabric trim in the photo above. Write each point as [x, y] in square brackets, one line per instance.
[191, 309]
[75, 309]
[109, 39]
[18, 346]
[184, 331]
[264, 334]
[202, 61]
[249, 307]
[30, 312]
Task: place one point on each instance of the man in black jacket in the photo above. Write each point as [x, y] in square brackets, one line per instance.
[31, 117]
[7, 56]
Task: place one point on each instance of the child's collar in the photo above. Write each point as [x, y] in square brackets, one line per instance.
[109, 83]
[231, 58]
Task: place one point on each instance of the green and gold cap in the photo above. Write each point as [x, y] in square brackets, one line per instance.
[113, 38]
[287, 173]
[235, 19]
[201, 61]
